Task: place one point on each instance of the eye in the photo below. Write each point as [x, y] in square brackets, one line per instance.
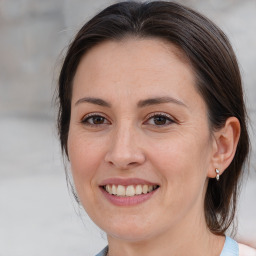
[94, 120]
[160, 119]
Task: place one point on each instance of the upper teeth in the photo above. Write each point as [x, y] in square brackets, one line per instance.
[130, 190]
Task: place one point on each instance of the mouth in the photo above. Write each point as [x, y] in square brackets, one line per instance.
[130, 190]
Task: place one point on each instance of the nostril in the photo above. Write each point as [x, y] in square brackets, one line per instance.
[124, 160]
[133, 163]
[111, 163]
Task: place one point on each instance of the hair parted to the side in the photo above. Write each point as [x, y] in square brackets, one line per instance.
[213, 60]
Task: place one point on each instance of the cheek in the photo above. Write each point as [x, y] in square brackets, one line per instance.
[85, 157]
[172, 155]
[187, 147]
[182, 161]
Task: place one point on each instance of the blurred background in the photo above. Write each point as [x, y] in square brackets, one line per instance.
[38, 216]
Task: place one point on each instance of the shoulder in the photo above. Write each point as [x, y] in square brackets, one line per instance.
[104, 252]
[245, 250]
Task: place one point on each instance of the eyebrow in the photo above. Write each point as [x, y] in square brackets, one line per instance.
[140, 104]
[160, 100]
[95, 101]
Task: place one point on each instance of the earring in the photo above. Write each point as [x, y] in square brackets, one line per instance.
[217, 174]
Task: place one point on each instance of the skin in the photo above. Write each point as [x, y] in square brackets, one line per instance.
[180, 155]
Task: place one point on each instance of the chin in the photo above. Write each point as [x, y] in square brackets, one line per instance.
[132, 232]
[130, 235]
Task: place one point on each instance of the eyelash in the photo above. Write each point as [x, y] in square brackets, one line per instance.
[166, 116]
[91, 116]
[153, 115]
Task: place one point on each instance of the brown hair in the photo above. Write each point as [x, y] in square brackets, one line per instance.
[217, 72]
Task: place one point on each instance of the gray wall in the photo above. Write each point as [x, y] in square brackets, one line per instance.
[34, 32]
[37, 216]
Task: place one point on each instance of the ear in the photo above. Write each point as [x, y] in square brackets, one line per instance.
[224, 145]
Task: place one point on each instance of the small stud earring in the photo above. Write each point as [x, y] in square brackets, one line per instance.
[217, 174]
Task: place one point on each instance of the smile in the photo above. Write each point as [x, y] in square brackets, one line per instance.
[130, 190]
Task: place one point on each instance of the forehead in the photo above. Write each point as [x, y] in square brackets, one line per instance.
[134, 66]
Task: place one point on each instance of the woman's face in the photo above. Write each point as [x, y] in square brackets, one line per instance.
[137, 124]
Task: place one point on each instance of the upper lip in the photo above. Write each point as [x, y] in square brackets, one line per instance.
[126, 182]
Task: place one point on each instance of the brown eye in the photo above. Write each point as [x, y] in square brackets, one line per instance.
[98, 120]
[94, 120]
[160, 120]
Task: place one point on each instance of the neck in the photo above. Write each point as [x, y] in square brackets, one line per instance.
[188, 238]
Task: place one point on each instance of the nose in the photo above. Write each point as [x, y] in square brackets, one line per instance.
[124, 150]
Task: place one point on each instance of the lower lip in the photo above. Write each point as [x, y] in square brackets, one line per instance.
[127, 200]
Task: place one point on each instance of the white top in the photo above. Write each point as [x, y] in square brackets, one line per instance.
[245, 250]
[231, 248]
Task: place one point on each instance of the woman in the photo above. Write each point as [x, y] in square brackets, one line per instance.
[152, 120]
